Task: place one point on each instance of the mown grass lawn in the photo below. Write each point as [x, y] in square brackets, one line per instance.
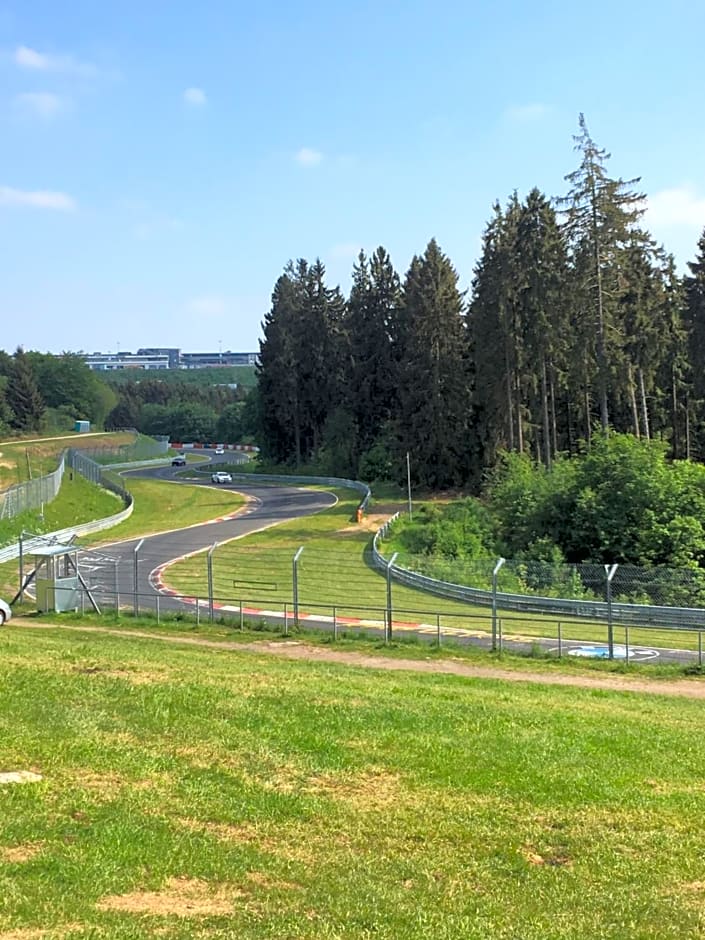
[187, 793]
[77, 501]
[22, 460]
[334, 572]
[160, 506]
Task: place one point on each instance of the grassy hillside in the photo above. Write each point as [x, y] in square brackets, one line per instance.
[78, 501]
[335, 571]
[22, 460]
[188, 793]
[243, 375]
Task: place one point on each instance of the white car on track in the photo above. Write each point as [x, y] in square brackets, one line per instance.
[221, 477]
[219, 450]
[5, 612]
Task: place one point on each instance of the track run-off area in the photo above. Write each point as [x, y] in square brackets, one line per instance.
[118, 569]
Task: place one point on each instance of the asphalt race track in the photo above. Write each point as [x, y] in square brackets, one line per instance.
[112, 566]
[110, 569]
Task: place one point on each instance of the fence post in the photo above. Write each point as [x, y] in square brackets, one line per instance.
[700, 648]
[560, 640]
[242, 614]
[438, 630]
[495, 572]
[295, 579]
[117, 588]
[158, 609]
[21, 567]
[136, 599]
[610, 572]
[335, 624]
[210, 580]
[388, 630]
[286, 620]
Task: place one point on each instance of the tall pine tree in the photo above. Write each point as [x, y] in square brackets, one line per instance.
[371, 319]
[23, 396]
[600, 215]
[434, 373]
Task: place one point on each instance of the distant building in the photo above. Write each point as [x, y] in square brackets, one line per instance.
[167, 357]
[113, 362]
[209, 360]
[173, 354]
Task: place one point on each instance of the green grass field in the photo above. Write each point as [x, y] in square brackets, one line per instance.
[160, 506]
[243, 375]
[77, 501]
[188, 793]
[22, 460]
[334, 571]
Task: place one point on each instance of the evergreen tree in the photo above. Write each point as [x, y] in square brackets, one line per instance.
[694, 288]
[601, 213]
[279, 433]
[372, 311]
[487, 344]
[518, 328]
[434, 372]
[695, 316]
[541, 264]
[301, 367]
[23, 396]
[674, 379]
[321, 352]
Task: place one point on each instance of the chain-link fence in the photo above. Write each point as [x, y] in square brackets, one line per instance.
[309, 587]
[32, 494]
[626, 594]
[141, 448]
[95, 473]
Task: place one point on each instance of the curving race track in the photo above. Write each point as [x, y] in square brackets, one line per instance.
[112, 567]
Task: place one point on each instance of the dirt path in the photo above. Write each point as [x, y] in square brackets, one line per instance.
[294, 650]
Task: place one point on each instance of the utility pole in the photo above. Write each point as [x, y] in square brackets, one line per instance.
[408, 480]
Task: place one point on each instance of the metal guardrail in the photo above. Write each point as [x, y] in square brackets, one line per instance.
[673, 618]
[356, 485]
[137, 464]
[96, 474]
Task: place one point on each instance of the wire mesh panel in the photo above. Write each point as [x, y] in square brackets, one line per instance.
[32, 494]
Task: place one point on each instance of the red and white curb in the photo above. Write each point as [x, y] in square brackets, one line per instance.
[156, 579]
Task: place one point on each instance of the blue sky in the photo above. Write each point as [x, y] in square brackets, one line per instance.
[162, 160]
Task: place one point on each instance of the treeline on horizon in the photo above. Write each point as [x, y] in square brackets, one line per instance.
[577, 322]
[42, 392]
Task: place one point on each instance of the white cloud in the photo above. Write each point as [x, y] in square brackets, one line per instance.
[208, 305]
[42, 103]
[28, 58]
[524, 114]
[196, 97]
[308, 157]
[36, 199]
[31, 59]
[678, 206]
